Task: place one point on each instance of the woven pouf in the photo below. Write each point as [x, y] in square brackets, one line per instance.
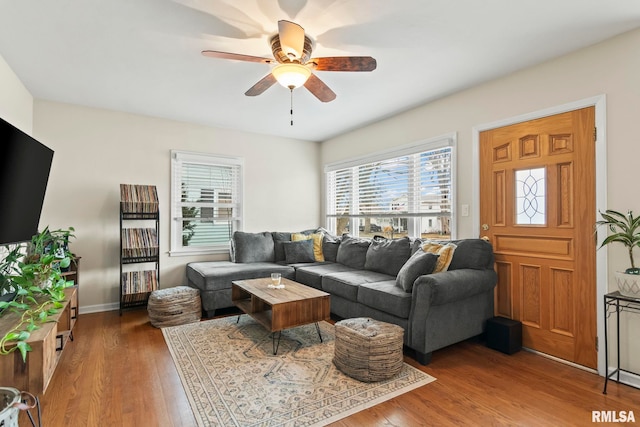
[174, 306]
[367, 349]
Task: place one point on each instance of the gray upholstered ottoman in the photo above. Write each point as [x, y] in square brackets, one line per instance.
[174, 306]
[368, 350]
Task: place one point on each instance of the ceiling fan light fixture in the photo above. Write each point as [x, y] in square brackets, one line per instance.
[291, 75]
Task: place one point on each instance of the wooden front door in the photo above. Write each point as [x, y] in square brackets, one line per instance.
[537, 192]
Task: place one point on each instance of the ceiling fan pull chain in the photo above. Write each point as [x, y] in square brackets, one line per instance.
[291, 110]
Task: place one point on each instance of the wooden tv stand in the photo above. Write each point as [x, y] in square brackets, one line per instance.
[46, 343]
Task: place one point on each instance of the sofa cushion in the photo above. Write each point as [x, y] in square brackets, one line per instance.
[253, 247]
[416, 245]
[330, 245]
[311, 275]
[211, 276]
[278, 238]
[317, 243]
[345, 284]
[386, 296]
[419, 264]
[444, 251]
[387, 256]
[352, 251]
[472, 253]
[298, 251]
[297, 265]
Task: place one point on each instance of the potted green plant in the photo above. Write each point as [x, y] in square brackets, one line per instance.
[625, 229]
[47, 251]
[8, 267]
[39, 285]
[51, 242]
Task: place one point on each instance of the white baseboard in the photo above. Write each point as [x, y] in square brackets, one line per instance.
[86, 309]
[557, 359]
[628, 378]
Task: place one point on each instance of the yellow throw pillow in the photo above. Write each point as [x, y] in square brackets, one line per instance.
[445, 252]
[317, 243]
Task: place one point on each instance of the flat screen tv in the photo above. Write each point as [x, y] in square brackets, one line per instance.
[24, 171]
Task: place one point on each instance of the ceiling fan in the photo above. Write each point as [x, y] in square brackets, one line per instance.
[291, 49]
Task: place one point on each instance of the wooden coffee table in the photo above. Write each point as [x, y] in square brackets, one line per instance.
[278, 309]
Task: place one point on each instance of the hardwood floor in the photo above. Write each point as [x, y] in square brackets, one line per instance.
[118, 372]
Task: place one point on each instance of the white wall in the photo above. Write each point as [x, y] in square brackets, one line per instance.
[16, 103]
[96, 150]
[610, 68]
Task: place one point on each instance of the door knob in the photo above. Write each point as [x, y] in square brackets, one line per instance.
[485, 227]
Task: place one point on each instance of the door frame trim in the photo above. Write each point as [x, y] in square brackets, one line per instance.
[600, 104]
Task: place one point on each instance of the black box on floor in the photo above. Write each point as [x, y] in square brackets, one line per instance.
[504, 335]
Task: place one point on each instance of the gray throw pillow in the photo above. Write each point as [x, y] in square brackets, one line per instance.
[352, 251]
[472, 253]
[278, 238]
[298, 251]
[330, 245]
[416, 245]
[253, 247]
[387, 256]
[419, 264]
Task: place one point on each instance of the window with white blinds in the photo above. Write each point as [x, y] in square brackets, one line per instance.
[206, 202]
[404, 192]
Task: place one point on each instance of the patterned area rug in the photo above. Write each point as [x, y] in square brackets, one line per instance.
[232, 378]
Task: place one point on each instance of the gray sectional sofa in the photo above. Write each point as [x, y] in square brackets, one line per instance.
[378, 278]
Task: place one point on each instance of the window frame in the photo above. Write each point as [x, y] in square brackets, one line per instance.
[177, 158]
[430, 144]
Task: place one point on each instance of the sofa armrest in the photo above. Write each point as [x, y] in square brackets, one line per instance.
[453, 285]
[449, 307]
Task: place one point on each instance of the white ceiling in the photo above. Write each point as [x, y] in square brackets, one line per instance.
[143, 56]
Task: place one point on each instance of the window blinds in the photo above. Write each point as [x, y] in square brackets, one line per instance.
[412, 185]
[206, 193]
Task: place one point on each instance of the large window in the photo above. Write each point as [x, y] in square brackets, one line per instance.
[405, 192]
[206, 202]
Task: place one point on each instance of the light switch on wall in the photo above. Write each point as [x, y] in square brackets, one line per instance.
[464, 210]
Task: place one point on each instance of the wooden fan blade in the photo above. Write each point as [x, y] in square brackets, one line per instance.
[344, 63]
[319, 89]
[265, 83]
[236, 56]
[291, 39]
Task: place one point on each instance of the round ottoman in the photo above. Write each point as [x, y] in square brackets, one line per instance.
[367, 349]
[174, 306]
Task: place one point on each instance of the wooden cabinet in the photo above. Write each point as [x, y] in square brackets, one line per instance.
[67, 320]
[47, 344]
[73, 273]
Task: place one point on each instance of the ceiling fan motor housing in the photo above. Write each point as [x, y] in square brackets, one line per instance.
[282, 57]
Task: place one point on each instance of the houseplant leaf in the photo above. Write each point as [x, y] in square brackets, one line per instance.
[23, 347]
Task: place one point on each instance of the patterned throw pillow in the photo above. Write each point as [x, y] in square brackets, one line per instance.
[317, 243]
[445, 253]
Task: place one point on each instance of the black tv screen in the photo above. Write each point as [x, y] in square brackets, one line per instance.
[24, 171]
